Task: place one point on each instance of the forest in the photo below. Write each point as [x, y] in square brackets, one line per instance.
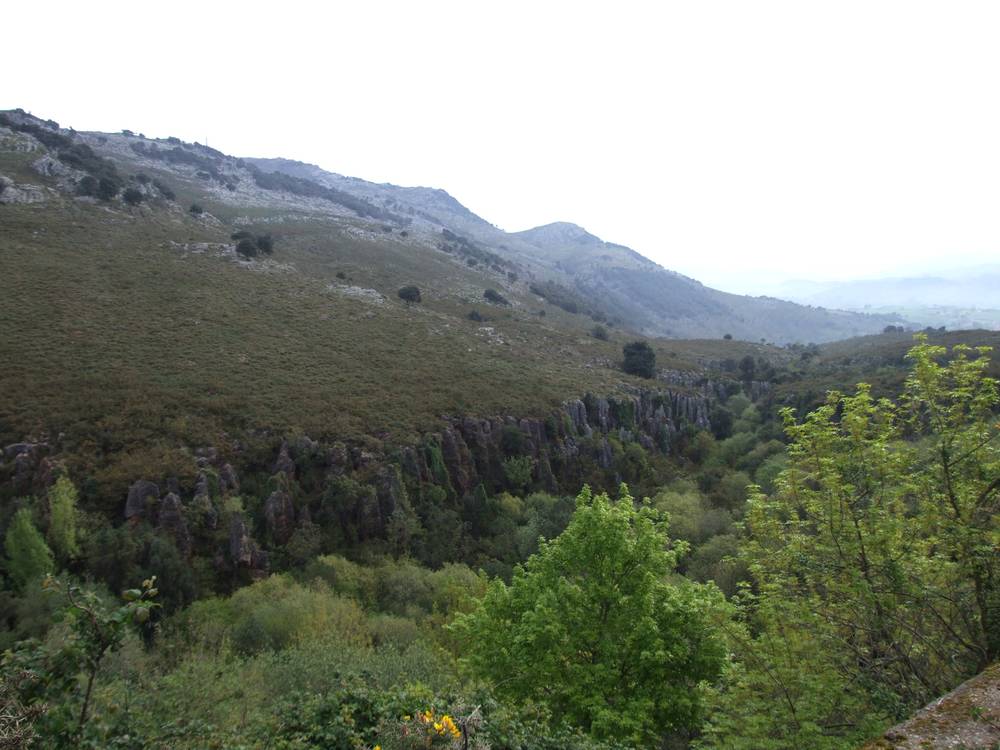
[779, 579]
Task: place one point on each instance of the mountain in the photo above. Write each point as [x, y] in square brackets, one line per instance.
[961, 299]
[609, 281]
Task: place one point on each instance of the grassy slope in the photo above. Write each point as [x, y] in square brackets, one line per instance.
[133, 347]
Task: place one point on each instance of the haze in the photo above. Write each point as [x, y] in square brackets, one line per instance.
[741, 144]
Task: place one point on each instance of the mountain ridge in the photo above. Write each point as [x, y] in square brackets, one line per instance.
[609, 275]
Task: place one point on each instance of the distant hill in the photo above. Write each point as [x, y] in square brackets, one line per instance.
[618, 283]
[964, 299]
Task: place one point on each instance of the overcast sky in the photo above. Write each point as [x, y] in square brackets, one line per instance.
[740, 142]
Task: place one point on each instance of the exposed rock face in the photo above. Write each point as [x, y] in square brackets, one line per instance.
[46, 166]
[141, 496]
[967, 717]
[32, 471]
[228, 481]
[172, 522]
[243, 550]
[21, 143]
[473, 449]
[279, 512]
[12, 193]
[284, 465]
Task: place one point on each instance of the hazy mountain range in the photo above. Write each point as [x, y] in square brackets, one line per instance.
[966, 298]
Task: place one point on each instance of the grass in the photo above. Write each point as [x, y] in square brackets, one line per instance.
[129, 346]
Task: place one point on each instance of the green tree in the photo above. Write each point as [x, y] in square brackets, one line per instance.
[28, 556]
[409, 294]
[61, 670]
[639, 359]
[591, 628]
[875, 555]
[62, 519]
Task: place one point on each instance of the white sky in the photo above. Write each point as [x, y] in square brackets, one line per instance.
[740, 142]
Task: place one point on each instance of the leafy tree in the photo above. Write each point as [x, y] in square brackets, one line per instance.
[62, 519]
[409, 294]
[591, 628]
[517, 470]
[106, 189]
[875, 556]
[28, 556]
[95, 631]
[639, 359]
[247, 248]
[599, 332]
[132, 196]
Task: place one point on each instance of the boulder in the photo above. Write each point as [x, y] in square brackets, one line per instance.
[279, 513]
[228, 481]
[284, 465]
[141, 496]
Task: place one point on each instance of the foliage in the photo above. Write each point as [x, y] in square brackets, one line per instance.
[409, 294]
[874, 557]
[62, 532]
[599, 332]
[591, 628]
[132, 196]
[492, 295]
[60, 672]
[247, 248]
[517, 470]
[28, 556]
[639, 359]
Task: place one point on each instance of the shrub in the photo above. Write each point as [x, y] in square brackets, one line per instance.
[87, 186]
[106, 189]
[132, 196]
[599, 332]
[409, 294]
[196, 209]
[247, 248]
[639, 359]
[477, 316]
[492, 295]
[165, 190]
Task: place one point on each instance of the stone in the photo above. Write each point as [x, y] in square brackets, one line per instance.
[279, 514]
[228, 481]
[284, 464]
[141, 495]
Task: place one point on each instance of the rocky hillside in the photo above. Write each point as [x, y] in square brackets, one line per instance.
[617, 282]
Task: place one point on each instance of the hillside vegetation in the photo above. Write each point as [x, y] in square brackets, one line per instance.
[292, 460]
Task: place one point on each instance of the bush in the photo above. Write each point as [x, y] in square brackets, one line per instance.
[106, 189]
[492, 295]
[132, 196]
[196, 209]
[165, 190]
[639, 359]
[477, 316]
[409, 294]
[599, 332]
[247, 248]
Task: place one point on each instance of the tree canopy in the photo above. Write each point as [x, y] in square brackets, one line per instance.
[639, 359]
[592, 628]
[874, 561]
